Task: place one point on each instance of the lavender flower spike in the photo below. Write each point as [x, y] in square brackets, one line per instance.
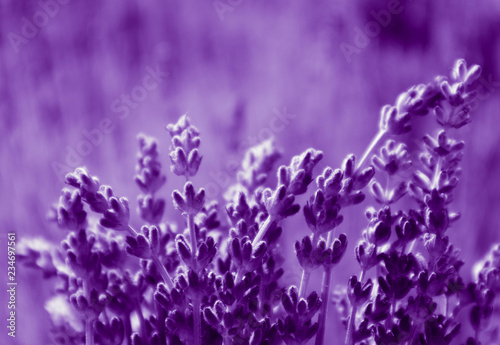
[292, 180]
[184, 156]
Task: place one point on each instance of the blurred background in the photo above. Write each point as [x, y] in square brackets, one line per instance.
[70, 67]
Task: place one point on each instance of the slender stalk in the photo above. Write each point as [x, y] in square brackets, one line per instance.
[131, 231]
[370, 148]
[161, 315]
[325, 293]
[304, 280]
[413, 334]
[446, 305]
[437, 170]
[141, 321]
[197, 320]
[262, 230]
[163, 272]
[89, 322]
[349, 339]
[192, 233]
[196, 299]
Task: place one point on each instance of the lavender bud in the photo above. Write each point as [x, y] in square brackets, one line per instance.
[358, 293]
[139, 246]
[338, 249]
[298, 175]
[189, 202]
[392, 122]
[117, 216]
[366, 254]
[378, 233]
[378, 310]
[70, 213]
[149, 209]
[184, 250]
[279, 204]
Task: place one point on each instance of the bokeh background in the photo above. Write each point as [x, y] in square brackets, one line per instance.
[231, 69]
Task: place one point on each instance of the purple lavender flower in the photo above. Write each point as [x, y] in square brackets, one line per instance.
[185, 157]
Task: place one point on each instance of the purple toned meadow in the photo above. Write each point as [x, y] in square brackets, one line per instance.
[244, 172]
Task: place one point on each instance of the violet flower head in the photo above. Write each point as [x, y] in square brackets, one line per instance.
[93, 193]
[297, 326]
[149, 177]
[298, 175]
[393, 122]
[322, 214]
[259, 160]
[70, 213]
[393, 158]
[189, 201]
[184, 156]
[117, 217]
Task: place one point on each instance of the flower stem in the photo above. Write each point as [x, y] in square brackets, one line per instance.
[131, 231]
[89, 322]
[89, 332]
[163, 272]
[262, 230]
[141, 321]
[192, 233]
[370, 148]
[197, 320]
[325, 293]
[304, 280]
[349, 339]
[437, 170]
[196, 299]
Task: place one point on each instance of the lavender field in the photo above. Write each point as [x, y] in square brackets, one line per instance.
[249, 172]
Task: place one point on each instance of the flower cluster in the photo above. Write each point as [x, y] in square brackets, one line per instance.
[410, 287]
[217, 277]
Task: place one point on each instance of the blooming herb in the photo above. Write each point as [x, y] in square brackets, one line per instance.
[216, 278]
